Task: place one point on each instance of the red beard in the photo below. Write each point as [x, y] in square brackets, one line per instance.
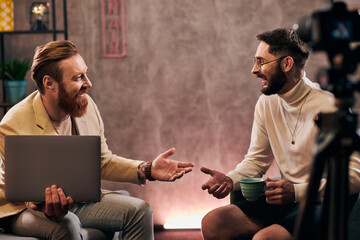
[75, 106]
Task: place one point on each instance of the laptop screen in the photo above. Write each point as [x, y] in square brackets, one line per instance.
[34, 162]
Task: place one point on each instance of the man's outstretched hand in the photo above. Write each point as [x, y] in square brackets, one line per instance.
[165, 169]
[219, 185]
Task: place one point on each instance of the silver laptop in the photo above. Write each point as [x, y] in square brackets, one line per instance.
[33, 163]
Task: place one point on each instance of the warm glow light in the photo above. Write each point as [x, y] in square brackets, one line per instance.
[185, 221]
[39, 9]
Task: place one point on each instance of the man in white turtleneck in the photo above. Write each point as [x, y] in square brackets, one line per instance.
[284, 131]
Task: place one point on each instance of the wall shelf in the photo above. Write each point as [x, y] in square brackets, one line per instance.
[54, 32]
[31, 32]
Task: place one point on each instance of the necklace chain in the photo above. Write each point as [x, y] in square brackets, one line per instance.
[297, 121]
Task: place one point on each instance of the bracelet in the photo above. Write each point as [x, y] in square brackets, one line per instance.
[141, 174]
[147, 171]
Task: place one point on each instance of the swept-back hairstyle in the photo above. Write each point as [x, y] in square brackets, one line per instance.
[46, 61]
[285, 41]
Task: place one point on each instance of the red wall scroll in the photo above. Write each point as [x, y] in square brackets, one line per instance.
[113, 28]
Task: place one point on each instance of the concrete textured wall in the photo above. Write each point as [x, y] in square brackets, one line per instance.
[185, 83]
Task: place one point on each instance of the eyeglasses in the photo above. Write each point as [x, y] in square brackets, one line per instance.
[258, 62]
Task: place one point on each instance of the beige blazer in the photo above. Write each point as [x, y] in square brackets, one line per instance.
[29, 117]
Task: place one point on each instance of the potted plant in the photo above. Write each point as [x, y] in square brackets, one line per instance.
[13, 75]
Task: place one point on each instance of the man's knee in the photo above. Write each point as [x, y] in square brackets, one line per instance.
[139, 224]
[206, 224]
[228, 222]
[261, 235]
[61, 232]
[213, 224]
[273, 232]
[146, 207]
[143, 208]
[68, 228]
[139, 212]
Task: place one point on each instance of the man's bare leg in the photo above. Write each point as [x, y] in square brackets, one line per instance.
[273, 232]
[229, 222]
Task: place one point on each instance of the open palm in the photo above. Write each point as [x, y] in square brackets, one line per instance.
[165, 169]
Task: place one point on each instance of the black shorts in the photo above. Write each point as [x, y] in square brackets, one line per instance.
[268, 214]
[284, 215]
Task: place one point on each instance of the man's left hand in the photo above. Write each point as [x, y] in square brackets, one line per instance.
[282, 192]
[165, 169]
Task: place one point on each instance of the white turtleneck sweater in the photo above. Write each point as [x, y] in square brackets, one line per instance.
[277, 123]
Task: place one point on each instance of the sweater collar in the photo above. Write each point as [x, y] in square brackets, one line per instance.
[298, 92]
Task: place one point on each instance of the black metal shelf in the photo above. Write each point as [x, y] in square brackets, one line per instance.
[6, 105]
[31, 32]
[54, 32]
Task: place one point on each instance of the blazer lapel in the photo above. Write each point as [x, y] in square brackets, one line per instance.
[44, 124]
[42, 119]
[81, 126]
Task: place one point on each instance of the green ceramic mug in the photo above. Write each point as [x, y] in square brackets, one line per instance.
[253, 188]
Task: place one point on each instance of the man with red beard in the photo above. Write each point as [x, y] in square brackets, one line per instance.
[284, 131]
[61, 106]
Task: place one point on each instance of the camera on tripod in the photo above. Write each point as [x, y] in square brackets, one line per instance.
[330, 28]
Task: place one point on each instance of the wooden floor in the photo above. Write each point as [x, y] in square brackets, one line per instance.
[192, 234]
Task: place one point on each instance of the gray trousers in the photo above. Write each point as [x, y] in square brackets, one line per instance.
[115, 212]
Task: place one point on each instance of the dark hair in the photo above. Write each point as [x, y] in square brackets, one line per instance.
[46, 61]
[286, 41]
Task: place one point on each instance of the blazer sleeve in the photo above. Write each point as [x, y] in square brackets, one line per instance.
[113, 167]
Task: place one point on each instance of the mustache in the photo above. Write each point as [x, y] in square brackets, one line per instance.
[260, 75]
[83, 90]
